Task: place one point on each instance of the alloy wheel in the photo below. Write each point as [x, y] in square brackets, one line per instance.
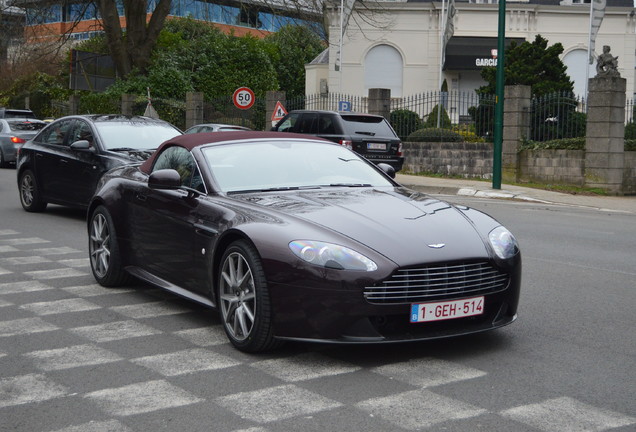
[237, 296]
[99, 245]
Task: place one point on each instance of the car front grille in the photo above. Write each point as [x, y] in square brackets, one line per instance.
[430, 283]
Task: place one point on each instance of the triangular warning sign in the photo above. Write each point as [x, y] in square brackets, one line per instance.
[279, 112]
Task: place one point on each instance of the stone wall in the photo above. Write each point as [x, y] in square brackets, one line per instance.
[629, 179]
[474, 160]
[449, 158]
[552, 166]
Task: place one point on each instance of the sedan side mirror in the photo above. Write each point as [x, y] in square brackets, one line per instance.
[81, 145]
[164, 179]
[388, 169]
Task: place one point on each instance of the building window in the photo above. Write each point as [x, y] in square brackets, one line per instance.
[383, 69]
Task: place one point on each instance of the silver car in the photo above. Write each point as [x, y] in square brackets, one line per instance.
[13, 133]
[215, 127]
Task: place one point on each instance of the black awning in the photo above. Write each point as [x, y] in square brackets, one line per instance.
[473, 53]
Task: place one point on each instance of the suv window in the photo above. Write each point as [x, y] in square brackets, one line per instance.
[367, 125]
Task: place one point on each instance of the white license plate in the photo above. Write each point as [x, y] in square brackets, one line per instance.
[425, 312]
[376, 146]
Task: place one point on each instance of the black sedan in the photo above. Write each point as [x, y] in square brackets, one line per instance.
[63, 163]
[292, 237]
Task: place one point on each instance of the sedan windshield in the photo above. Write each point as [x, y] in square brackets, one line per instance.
[135, 135]
[289, 165]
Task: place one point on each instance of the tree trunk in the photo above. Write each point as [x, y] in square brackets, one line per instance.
[135, 49]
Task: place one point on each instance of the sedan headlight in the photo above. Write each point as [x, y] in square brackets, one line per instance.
[503, 242]
[331, 255]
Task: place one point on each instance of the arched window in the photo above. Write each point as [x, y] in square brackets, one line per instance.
[576, 61]
[383, 69]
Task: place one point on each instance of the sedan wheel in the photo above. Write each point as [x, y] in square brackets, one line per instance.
[244, 299]
[104, 250]
[29, 193]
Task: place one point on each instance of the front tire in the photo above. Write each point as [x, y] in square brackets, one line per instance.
[30, 193]
[244, 299]
[104, 250]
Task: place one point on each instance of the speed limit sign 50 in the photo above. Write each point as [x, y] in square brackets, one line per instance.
[243, 98]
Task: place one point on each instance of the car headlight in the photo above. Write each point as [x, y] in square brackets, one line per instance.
[331, 255]
[503, 242]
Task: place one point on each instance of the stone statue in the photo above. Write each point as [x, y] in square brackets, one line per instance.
[606, 64]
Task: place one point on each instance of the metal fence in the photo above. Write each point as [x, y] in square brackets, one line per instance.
[557, 116]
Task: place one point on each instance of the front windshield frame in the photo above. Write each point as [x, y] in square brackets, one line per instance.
[135, 135]
[288, 164]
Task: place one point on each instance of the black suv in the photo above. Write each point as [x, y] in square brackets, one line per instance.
[368, 135]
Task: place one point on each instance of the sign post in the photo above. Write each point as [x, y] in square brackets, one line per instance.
[279, 113]
[243, 98]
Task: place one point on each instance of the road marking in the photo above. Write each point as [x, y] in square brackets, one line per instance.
[151, 310]
[23, 241]
[185, 362]
[25, 260]
[55, 273]
[565, 414]
[419, 409]
[22, 287]
[72, 357]
[204, 336]
[102, 426]
[95, 290]
[304, 367]
[5, 271]
[56, 251]
[26, 389]
[276, 403]
[428, 372]
[141, 398]
[7, 249]
[79, 262]
[60, 306]
[113, 331]
[25, 326]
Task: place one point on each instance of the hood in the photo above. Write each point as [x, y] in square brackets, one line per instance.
[405, 226]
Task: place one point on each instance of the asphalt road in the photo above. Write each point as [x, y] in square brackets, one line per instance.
[78, 357]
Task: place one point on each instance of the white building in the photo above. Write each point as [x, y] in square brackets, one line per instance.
[397, 44]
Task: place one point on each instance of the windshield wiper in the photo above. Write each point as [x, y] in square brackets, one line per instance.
[365, 133]
[274, 189]
[350, 185]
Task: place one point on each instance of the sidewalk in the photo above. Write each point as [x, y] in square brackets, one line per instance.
[483, 189]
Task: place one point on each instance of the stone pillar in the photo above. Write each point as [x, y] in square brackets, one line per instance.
[127, 103]
[380, 102]
[605, 134]
[73, 105]
[271, 97]
[516, 126]
[194, 109]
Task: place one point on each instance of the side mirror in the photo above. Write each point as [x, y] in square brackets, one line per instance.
[164, 179]
[81, 145]
[387, 169]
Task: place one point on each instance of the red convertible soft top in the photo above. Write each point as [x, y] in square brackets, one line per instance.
[189, 141]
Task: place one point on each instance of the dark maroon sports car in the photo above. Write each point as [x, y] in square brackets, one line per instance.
[292, 237]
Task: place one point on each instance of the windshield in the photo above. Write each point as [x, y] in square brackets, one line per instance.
[135, 135]
[288, 164]
[368, 125]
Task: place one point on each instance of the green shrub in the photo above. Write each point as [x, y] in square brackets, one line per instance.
[557, 144]
[431, 119]
[630, 131]
[630, 145]
[434, 135]
[405, 122]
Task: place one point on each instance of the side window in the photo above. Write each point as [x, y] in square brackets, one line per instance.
[289, 124]
[82, 131]
[308, 124]
[326, 126]
[180, 159]
[58, 133]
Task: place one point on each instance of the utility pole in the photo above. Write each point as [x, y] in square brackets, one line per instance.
[499, 94]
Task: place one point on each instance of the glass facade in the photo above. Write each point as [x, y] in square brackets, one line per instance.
[245, 16]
